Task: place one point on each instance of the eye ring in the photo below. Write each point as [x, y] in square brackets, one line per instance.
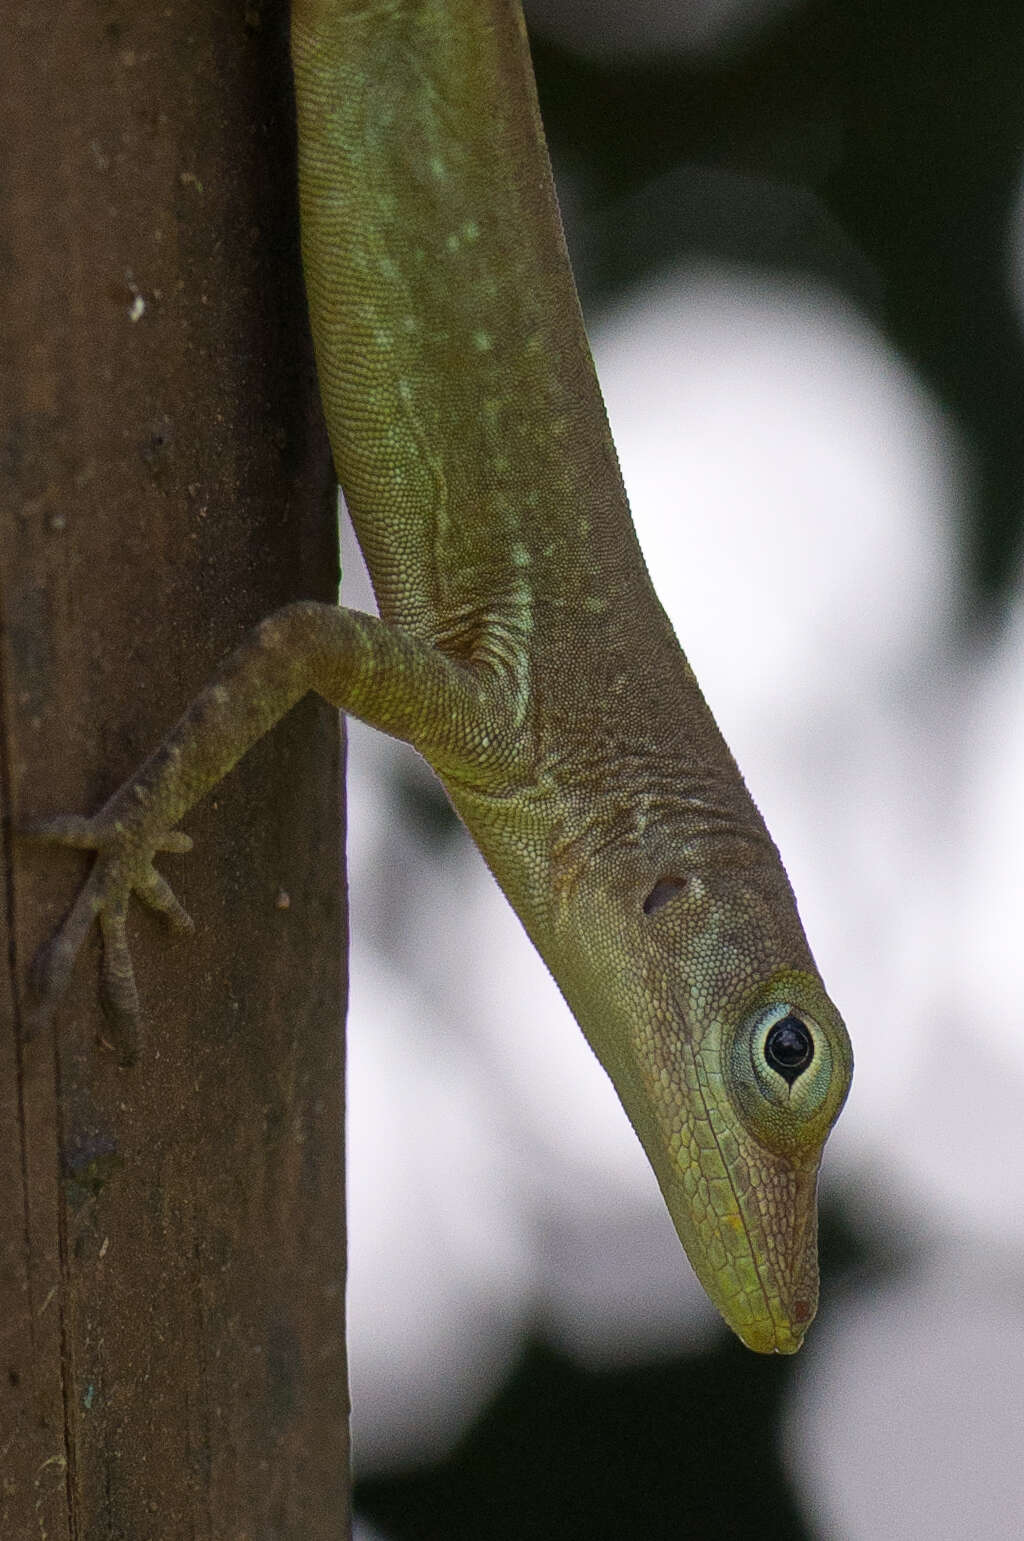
[789, 1097]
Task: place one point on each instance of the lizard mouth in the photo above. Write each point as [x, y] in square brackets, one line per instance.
[779, 1333]
[790, 1282]
[758, 1258]
[773, 1340]
[778, 1327]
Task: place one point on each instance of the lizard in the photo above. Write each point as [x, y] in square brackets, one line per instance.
[519, 646]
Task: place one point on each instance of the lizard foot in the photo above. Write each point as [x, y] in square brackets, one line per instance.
[124, 866]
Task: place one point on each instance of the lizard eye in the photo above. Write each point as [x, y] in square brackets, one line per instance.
[789, 1047]
[785, 1073]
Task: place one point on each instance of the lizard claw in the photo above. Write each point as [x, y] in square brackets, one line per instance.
[174, 840]
[124, 866]
[156, 893]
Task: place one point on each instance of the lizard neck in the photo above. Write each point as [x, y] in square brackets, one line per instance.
[491, 504]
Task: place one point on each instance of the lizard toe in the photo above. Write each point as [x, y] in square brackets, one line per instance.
[119, 993]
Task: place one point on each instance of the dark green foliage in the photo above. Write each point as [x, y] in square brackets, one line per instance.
[877, 146]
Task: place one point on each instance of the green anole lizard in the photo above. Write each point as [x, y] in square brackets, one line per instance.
[520, 646]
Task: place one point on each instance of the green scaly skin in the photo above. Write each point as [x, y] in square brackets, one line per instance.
[521, 647]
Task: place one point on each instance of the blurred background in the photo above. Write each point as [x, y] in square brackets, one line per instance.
[798, 232]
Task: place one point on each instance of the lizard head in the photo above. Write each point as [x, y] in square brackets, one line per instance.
[732, 1064]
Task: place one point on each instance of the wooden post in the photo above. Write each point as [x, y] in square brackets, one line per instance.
[171, 1235]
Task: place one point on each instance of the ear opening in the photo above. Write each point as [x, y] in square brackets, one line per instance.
[664, 890]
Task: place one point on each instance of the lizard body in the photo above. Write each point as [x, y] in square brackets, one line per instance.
[520, 645]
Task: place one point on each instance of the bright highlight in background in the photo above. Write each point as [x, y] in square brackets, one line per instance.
[796, 495]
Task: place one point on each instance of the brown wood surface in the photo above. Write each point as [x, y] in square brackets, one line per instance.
[171, 1235]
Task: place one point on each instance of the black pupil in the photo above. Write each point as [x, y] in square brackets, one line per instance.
[789, 1048]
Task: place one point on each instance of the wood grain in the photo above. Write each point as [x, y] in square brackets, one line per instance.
[171, 1235]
